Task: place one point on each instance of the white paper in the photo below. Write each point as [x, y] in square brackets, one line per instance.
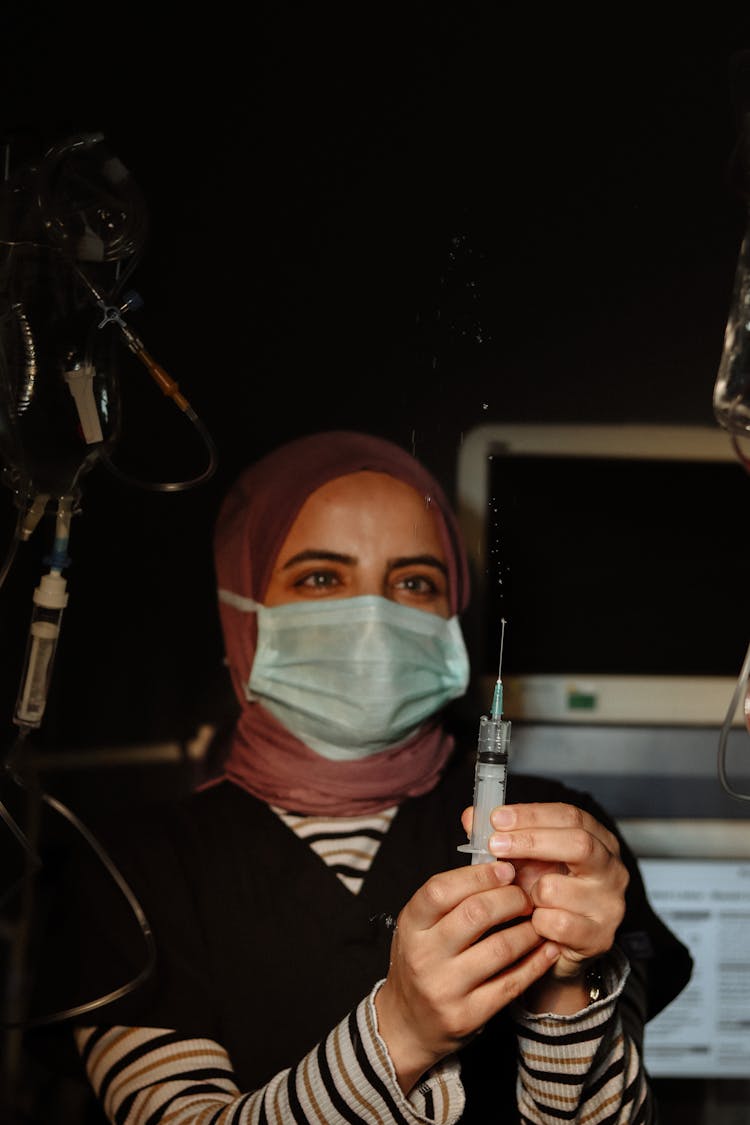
[705, 1032]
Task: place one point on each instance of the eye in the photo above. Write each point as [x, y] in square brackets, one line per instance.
[418, 584]
[317, 581]
[426, 588]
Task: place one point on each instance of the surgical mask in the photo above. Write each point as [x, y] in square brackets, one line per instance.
[352, 676]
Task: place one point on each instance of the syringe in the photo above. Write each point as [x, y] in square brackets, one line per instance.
[490, 774]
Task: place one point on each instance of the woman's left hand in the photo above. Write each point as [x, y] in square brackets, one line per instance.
[569, 865]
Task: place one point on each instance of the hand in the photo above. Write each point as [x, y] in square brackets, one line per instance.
[570, 867]
[449, 972]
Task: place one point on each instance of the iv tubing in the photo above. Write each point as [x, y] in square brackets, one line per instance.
[11, 553]
[174, 486]
[166, 384]
[740, 688]
[135, 906]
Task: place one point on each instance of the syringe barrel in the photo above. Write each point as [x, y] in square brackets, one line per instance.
[50, 598]
[489, 783]
[494, 739]
[40, 656]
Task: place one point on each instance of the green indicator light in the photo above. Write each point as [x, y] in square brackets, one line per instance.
[581, 701]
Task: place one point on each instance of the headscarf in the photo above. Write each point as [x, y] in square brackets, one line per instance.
[254, 520]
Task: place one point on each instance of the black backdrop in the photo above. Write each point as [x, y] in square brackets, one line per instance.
[410, 220]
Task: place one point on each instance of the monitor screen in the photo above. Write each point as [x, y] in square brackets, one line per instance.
[618, 567]
[615, 554]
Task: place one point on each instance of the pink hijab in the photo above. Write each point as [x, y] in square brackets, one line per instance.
[254, 520]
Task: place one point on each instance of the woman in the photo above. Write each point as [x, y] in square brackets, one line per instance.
[323, 952]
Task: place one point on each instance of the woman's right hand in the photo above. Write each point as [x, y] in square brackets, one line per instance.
[449, 972]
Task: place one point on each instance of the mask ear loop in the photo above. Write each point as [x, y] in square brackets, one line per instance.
[741, 688]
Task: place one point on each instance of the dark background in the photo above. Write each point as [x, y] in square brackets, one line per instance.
[411, 220]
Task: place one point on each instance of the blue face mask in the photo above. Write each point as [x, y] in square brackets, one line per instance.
[352, 676]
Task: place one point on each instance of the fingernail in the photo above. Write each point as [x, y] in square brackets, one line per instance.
[503, 818]
[504, 871]
[499, 844]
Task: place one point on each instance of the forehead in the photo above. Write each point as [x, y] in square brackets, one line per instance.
[368, 506]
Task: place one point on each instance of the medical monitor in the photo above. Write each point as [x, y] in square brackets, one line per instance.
[619, 557]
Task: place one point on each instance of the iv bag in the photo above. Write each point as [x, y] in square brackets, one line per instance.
[731, 401]
[72, 225]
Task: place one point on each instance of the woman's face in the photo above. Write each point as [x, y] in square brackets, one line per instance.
[365, 533]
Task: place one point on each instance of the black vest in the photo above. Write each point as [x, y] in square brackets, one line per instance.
[262, 948]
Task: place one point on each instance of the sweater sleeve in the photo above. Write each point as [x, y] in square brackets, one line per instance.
[587, 1066]
[152, 1075]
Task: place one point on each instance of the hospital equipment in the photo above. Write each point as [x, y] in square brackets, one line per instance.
[731, 398]
[72, 229]
[73, 224]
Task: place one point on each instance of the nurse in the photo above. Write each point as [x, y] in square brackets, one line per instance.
[324, 954]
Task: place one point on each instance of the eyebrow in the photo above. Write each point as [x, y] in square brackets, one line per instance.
[312, 554]
[418, 560]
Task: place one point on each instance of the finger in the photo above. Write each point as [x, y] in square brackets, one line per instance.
[578, 849]
[577, 936]
[553, 815]
[476, 915]
[444, 891]
[497, 992]
[496, 953]
[581, 896]
[530, 871]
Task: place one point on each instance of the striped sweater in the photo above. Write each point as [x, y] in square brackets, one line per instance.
[582, 1068]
